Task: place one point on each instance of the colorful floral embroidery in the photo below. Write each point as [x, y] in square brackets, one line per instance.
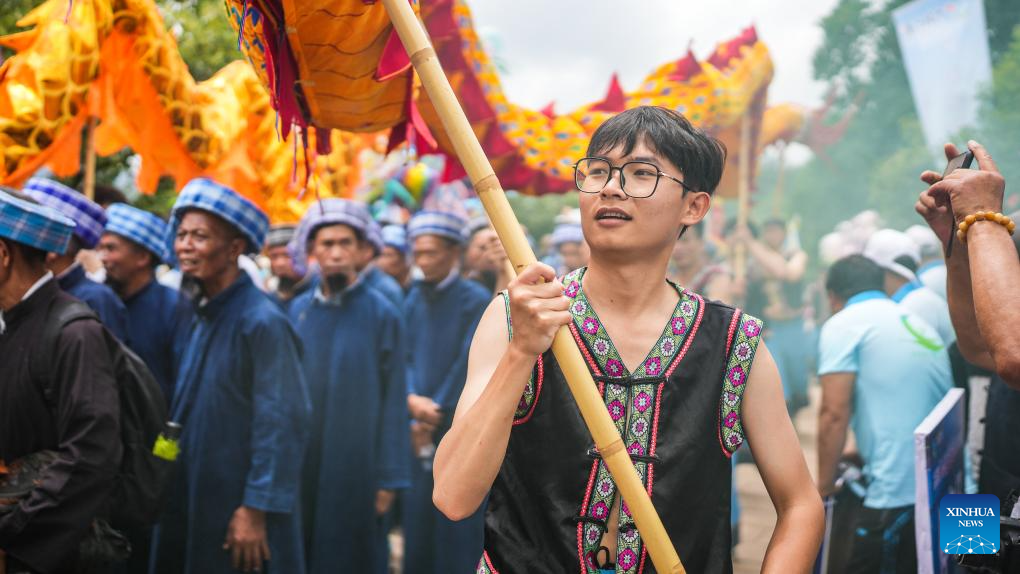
[485, 565]
[738, 365]
[632, 404]
[529, 398]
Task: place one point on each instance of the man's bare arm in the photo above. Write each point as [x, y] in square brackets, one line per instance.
[471, 454]
[994, 269]
[776, 449]
[833, 420]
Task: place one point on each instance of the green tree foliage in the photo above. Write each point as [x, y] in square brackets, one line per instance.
[12, 11]
[876, 164]
[206, 42]
[204, 36]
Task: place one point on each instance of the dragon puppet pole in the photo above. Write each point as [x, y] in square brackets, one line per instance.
[590, 403]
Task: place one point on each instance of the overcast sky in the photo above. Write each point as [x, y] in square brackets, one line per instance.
[566, 50]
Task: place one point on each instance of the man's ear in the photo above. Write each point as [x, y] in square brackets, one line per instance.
[6, 256]
[238, 246]
[695, 207]
[835, 303]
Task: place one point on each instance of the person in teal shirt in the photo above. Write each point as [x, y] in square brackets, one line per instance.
[882, 370]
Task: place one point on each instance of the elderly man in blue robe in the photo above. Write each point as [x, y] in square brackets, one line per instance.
[158, 317]
[241, 400]
[357, 456]
[441, 312]
[89, 220]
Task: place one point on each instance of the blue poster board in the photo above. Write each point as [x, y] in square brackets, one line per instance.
[938, 471]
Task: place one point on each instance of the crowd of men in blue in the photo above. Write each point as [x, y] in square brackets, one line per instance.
[304, 412]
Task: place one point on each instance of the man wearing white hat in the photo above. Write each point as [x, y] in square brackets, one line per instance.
[932, 272]
[898, 254]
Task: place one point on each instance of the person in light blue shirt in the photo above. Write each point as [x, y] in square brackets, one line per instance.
[899, 256]
[882, 370]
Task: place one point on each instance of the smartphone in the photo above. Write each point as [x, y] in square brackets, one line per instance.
[961, 161]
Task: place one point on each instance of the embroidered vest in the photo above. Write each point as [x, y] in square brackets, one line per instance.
[679, 415]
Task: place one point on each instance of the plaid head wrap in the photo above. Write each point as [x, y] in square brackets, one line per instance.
[139, 226]
[440, 223]
[373, 233]
[395, 236]
[34, 225]
[225, 203]
[329, 211]
[87, 214]
[280, 235]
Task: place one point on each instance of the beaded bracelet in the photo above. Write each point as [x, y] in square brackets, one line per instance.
[970, 220]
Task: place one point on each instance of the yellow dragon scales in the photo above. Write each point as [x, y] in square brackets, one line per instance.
[114, 60]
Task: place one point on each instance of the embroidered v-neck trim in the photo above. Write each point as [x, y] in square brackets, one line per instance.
[610, 362]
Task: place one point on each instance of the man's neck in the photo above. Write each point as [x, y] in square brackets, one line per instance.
[630, 287]
[13, 291]
[135, 284]
[893, 283]
[61, 264]
[216, 285]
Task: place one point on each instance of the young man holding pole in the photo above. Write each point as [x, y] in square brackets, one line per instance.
[671, 368]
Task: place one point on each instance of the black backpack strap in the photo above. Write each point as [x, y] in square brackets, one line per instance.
[61, 314]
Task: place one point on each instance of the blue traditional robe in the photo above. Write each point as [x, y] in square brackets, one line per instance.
[359, 440]
[101, 298]
[158, 322]
[385, 284]
[440, 322]
[242, 401]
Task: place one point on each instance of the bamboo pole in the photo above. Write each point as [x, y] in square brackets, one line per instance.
[89, 184]
[590, 403]
[743, 196]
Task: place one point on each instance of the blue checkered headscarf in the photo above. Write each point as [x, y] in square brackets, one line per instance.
[329, 211]
[139, 226]
[34, 225]
[87, 214]
[395, 236]
[225, 203]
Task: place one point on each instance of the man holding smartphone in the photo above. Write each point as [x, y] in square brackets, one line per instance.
[983, 274]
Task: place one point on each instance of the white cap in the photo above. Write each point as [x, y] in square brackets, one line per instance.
[887, 245]
[926, 239]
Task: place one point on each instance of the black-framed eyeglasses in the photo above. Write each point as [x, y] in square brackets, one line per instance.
[638, 179]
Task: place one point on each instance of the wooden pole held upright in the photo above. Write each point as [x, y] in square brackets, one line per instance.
[88, 186]
[487, 186]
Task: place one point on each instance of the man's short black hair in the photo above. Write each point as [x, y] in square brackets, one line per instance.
[908, 262]
[106, 195]
[854, 274]
[699, 156]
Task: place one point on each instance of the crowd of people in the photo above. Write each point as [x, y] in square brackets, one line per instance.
[372, 375]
